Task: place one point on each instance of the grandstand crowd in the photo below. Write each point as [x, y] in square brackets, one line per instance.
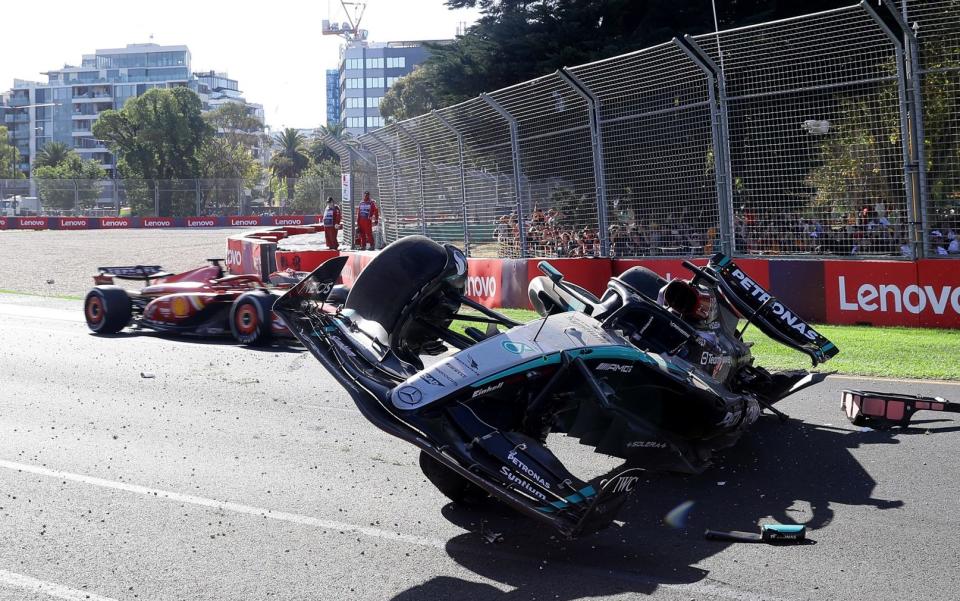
[872, 230]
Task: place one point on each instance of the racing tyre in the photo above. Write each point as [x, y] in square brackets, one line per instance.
[107, 309]
[250, 318]
[643, 281]
[453, 486]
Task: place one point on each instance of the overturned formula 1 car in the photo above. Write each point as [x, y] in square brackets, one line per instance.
[655, 373]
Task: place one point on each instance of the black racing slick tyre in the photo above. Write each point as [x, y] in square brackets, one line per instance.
[250, 318]
[453, 486]
[107, 309]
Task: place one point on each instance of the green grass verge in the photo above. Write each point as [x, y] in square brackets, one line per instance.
[864, 351]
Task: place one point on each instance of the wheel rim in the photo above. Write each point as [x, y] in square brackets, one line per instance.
[246, 320]
[94, 311]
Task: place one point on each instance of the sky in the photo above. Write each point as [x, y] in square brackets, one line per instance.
[273, 48]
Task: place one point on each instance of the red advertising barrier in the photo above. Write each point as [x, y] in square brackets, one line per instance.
[204, 221]
[940, 281]
[592, 274]
[673, 268]
[883, 293]
[290, 220]
[157, 222]
[485, 282]
[116, 222]
[83, 222]
[77, 223]
[303, 260]
[36, 223]
[243, 221]
[924, 293]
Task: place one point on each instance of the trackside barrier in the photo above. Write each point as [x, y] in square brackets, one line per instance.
[923, 293]
[256, 252]
[85, 223]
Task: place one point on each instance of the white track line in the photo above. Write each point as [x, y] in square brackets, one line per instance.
[9, 579]
[228, 506]
[42, 313]
[706, 588]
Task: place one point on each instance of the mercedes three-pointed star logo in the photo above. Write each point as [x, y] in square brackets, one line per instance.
[410, 395]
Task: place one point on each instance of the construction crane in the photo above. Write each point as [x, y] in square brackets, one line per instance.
[350, 29]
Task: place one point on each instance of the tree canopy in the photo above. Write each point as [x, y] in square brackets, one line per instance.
[157, 135]
[65, 180]
[290, 159]
[517, 40]
[9, 157]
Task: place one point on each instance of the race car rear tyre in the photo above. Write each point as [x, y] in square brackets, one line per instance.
[107, 309]
[453, 486]
[643, 281]
[250, 318]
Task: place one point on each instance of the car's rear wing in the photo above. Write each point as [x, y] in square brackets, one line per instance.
[769, 314]
[145, 273]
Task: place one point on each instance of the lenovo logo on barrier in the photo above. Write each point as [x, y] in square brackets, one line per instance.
[33, 222]
[481, 287]
[892, 298]
[80, 223]
[114, 222]
[289, 221]
[244, 221]
[233, 257]
[155, 222]
[201, 222]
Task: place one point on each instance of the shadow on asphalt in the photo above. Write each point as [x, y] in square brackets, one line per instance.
[772, 471]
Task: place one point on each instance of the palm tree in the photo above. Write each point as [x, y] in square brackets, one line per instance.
[53, 154]
[336, 130]
[290, 159]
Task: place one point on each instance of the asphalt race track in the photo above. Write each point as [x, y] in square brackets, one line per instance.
[142, 467]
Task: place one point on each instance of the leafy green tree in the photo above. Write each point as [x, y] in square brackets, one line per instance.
[52, 155]
[517, 40]
[290, 159]
[70, 184]
[233, 122]
[314, 186]
[158, 136]
[410, 96]
[226, 167]
[9, 157]
[320, 152]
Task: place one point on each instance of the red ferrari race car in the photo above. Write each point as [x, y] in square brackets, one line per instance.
[201, 301]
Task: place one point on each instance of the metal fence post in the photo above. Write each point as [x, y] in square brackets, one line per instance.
[721, 167]
[115, 194]
[396, 182]
[596, 143]
[196, 184]
[463, 180]
[239, 197]
[917, 137]
[909, 168]
[156, 198]
[76, 196]
[423, 211]
[517, 177]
